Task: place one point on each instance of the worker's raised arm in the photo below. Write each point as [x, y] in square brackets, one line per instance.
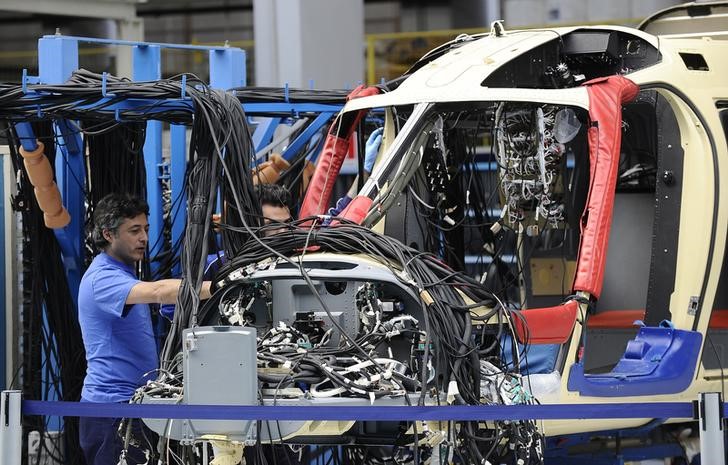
[163, 291]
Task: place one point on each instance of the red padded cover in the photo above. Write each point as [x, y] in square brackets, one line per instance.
[625, 318]
[613, 319]
[357, 209]
[719, 319]
[606, 96]
[322, 183]
[329, 162]
[548, 325]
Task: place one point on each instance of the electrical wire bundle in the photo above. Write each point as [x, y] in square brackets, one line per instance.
[219, 158]
[220, 153]
[529, 158]
[451, 342]
[279, 94]
[53, 356]
[114, 164]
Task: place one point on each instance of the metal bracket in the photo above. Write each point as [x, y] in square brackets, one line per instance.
[693, 305]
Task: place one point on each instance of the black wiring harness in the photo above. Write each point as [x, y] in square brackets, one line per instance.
[458, 356]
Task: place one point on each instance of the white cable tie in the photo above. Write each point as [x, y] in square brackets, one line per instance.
[449, 220]
[372, 398]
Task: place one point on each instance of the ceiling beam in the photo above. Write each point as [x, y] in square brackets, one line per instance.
[115, 9]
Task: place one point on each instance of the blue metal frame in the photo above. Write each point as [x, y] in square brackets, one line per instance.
[147, 66]
[58, 59]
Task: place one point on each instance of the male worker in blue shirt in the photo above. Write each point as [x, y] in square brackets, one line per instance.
[115, 322]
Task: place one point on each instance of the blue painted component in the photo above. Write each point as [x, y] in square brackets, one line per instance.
[264, 130]
[628, 454]
[131, 43]
[146, 62]
[26, 135]
[57, 58]
[315, 126]
[152, 161]
[178, 143]
[227, 68]
[361, 412]
[147, 66]
[71, 180]
[659, 360]
[534, 358]
[288, 109]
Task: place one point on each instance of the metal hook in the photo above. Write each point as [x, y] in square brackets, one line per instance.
[184, 85]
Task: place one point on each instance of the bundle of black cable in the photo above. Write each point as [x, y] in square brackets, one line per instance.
[448, 323]
[53, 356]
[115, 163]
[221, 151]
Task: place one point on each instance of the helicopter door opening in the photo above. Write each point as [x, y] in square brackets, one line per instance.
[715, 350]
[641, 257]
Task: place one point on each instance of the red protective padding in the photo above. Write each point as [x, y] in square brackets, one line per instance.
[719, 319]
[324, 177]
[615, 319]
[318, 194]
[606, 96]
[357, 209]
[548, 325]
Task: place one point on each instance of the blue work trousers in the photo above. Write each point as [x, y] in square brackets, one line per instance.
[102, 444]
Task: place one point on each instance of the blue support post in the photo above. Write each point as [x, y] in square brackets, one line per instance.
[70, 177]
[178, 143]
[227, 68]
[57, 60]
[146, 63]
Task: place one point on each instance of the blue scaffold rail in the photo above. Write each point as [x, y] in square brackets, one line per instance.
[360, 413]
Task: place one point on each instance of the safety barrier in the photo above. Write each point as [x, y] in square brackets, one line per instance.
[708, 409]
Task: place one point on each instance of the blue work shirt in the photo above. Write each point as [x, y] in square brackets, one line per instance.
[118, 338]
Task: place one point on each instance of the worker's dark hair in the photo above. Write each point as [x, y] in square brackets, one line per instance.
[111, 211]
[275, 195]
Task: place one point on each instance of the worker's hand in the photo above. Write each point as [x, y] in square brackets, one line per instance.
[372, 149]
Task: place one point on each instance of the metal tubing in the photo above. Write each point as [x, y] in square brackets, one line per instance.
[712, 446]
[178, 162]
[11, 430]
[132, 43]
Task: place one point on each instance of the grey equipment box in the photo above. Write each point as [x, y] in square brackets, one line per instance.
[220, 369]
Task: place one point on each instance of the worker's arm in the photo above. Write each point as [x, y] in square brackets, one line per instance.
[163, 291]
